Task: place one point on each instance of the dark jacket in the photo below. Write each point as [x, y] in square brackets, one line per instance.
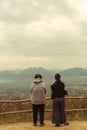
[58, 89]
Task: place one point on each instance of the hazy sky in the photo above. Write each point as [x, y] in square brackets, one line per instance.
[47, 33]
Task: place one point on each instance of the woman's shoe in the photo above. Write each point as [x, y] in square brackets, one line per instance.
[66, 123]
[57, 125]
[42, 124]
[34, 124]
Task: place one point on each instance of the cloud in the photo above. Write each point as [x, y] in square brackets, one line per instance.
[40, 31]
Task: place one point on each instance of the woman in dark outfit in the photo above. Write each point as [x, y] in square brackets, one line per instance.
[58, 93]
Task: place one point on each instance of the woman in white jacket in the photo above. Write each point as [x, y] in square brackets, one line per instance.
[38, 99]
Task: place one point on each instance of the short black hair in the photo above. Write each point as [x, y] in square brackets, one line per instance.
[57, 76]
[38, 76]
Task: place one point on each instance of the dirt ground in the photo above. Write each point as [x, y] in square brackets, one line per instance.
[73, 125]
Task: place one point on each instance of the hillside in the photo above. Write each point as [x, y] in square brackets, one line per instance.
[14, 78]
[74, 72]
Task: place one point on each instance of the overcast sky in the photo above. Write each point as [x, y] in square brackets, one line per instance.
[46, 33]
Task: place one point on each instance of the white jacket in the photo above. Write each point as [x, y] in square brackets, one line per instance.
[38, 92]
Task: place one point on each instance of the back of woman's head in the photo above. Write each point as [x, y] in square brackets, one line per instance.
[57, 76]
[38, 76]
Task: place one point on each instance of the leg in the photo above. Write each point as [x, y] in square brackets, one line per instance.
[56, 113]
[35, 113]
[63, 115]
[62, 112]
[41, 113]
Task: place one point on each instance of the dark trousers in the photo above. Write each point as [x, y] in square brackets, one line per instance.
[38, 110]
[58, 115]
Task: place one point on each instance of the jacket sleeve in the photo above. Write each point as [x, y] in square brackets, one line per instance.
[43, 86]
[31, 89]
[51, 91]
[65, 91]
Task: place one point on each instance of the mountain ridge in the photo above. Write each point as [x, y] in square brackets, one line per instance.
[26, 76]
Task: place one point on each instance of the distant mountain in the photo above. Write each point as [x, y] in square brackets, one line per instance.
[29, 73]
[74, 72]
[7, 74]
[26, 76]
